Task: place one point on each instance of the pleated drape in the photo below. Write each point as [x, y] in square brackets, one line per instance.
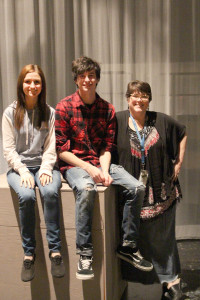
[151, 40]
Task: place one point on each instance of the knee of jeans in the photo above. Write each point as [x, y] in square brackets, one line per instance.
[27, 199]
[140, 190]
[89, 188]
[50, 193]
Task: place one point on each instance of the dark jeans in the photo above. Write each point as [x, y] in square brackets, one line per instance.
[27, 198]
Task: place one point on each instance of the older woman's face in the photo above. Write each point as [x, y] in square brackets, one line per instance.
[138, 102]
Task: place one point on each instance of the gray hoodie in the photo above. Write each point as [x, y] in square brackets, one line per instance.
[30, 146]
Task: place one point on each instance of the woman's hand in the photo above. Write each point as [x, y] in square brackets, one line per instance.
[178, 163]
[177, 168]
[28, 180]
[45, 179]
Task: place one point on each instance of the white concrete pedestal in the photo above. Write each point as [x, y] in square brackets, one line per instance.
[107, 283]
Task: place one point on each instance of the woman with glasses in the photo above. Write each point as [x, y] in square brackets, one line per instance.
[29, 148]
[151, 147]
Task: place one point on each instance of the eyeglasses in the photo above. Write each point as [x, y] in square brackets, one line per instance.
[141, 97]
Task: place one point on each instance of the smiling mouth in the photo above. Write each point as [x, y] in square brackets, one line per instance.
[87, 86]
[33, 92]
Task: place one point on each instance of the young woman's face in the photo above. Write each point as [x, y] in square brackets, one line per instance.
[32, 85]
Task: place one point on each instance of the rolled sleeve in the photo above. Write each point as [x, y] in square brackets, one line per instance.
[111, 131]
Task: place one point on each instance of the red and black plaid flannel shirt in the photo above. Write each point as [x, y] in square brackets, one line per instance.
[84, 130]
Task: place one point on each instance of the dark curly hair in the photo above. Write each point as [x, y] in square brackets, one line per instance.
[84, 64]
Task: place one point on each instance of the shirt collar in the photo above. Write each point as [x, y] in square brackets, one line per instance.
[79, 102]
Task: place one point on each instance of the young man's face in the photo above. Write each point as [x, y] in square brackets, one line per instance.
[87, 81]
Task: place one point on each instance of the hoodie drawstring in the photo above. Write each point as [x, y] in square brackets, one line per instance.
[33, 113]
[26, 128]
[26, 120]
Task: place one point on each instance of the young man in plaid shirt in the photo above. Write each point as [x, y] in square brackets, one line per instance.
[85, 132]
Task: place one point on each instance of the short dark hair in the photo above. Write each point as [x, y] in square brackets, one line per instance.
[84, 64]
[138, 86]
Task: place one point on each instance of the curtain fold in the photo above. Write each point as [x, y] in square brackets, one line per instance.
[157, 41]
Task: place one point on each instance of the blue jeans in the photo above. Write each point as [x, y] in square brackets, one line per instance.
[85, 189]
[27, 198]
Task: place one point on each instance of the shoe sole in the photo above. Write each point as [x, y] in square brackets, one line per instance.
[146, 269]
[166, 296]
[58, 276]
[30, 279]
[84, 277]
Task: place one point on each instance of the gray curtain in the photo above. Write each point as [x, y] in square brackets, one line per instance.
[152, 40]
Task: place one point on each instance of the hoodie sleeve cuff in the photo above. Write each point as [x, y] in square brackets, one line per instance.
[23, 170]
[45, 171]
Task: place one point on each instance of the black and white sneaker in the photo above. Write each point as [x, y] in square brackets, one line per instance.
[134, 258]
[84, 270]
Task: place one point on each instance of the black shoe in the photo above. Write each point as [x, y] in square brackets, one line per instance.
[134, 258]
[28, 269]
[57, 266]
[84, 270]
[174, 293]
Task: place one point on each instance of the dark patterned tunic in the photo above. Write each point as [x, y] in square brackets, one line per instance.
[155, 185]
[162, 138]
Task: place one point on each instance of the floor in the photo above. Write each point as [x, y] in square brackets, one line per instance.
[189, 251]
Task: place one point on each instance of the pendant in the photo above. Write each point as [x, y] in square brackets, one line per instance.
[143, 176]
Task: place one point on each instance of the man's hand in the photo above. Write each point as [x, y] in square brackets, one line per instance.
[96, 174]
[28, 180]
[45, 179]
[108, 179]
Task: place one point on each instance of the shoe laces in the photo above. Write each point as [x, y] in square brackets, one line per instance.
[138, 254]
[28, 263]
[57, 259]
[86, 262]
